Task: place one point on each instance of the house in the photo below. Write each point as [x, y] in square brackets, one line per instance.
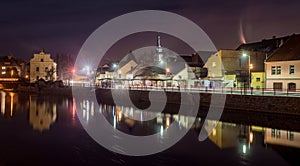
[42, 67]
[283, 66]
[233, 68]
[11, 68]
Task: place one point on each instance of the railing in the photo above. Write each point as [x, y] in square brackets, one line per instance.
[235, 91]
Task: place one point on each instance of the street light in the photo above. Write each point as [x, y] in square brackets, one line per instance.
[250, 66]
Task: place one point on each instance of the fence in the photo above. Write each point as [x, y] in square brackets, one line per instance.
[236, 91]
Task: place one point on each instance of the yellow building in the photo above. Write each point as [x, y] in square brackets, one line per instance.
[258, 79]
[230, 68]
[42, 66]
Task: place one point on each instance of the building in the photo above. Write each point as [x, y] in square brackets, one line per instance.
[11, 68]
[233, 68]
[42, 67]
[283, 66]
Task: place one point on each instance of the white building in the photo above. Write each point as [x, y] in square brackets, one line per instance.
[283, 66]
[42, 66]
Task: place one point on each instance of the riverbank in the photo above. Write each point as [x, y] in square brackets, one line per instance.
[259, 104]
[249, 103]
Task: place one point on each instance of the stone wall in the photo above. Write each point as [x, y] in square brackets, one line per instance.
[264, 104]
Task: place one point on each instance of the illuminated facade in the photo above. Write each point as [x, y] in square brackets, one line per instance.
[229, 68]
[42, 67]
[12, 68]
[283, 66]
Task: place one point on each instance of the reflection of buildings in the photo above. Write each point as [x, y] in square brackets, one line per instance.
[227, 135]
[7, 103]
[282, 137]
[87, 108]
[41, 115]
[224, 135]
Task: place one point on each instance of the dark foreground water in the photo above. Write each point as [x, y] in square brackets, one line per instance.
[45, 130]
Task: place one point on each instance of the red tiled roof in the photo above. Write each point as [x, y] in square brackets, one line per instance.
[290, 50]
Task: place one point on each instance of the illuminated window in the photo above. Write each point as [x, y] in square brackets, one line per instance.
[292, 69]
[214, 64]
[3, 67]
[3, 72]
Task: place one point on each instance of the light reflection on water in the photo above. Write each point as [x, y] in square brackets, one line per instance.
[42, 114]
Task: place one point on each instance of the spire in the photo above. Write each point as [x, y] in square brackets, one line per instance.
[158, 41]
[159, 48]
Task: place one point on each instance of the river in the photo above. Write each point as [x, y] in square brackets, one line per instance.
[46, 130]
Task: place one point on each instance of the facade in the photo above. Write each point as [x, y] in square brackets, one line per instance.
[12, 68]
[42, 67]
[283, 66]
[233, 68]
[258, 80]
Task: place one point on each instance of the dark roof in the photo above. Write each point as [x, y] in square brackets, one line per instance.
[11, 60]
[288, 51]
[149, 71]
[266, 45]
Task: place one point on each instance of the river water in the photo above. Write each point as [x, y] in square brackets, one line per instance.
[45, 130]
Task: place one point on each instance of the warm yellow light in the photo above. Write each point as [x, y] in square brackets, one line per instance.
[251, 137]
[251, 66]
[26, 76]
[214, 132]
[167, 70]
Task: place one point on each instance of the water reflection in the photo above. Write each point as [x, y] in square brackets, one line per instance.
[282, 137]
[7, 103]
[41, 113]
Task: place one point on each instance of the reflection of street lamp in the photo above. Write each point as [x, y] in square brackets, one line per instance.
[250, 66]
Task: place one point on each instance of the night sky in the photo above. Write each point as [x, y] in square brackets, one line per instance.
[63, 26]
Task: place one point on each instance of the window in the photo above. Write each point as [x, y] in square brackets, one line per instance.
[42, 60]
[291, 136]
[214, 64]
[37, 69]
[3, 67]
[273, 71]
[277, 85]
[292, 69]
[278, 70]
[258, 79]
[37, 77]
[291, 86]
[46, 68]
[46, 77]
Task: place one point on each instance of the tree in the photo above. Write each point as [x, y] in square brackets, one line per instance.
[50, 72]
